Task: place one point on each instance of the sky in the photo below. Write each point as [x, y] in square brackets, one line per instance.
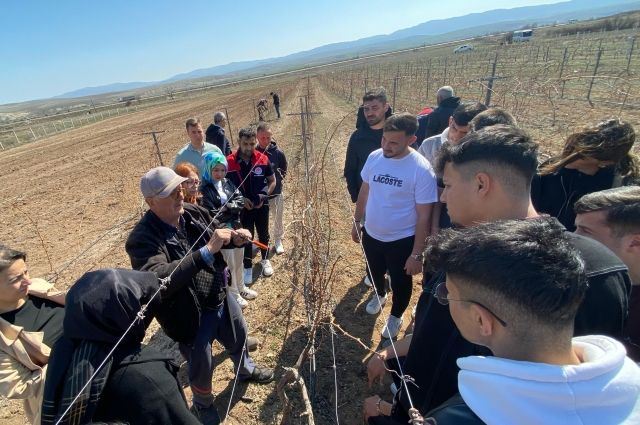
[53, 47]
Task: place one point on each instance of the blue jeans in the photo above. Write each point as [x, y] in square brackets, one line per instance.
[216, 325]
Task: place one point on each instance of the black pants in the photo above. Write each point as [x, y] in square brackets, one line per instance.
[258, 219]
[390, 256]
[277, 106]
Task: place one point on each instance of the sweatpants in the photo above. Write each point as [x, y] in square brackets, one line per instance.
[391, 257]
[276, 209]
[277, 106]
[255, 221]
[216, 325]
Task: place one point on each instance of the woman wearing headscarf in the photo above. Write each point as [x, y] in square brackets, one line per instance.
[133, 383]
[221, 197]
[596, 158]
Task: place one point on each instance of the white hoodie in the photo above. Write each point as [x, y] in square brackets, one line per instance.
[603, 390]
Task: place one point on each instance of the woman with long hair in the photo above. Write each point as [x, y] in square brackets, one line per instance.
[191, 187]
[596, 158]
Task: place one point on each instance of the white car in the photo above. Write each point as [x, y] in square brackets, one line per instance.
[463, 48]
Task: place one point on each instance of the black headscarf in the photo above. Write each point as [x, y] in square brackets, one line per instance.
[99, 308]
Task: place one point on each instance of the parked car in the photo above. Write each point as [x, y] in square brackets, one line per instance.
[463, 48]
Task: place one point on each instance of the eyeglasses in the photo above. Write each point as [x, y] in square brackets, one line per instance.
[441, 293]
[192, 182]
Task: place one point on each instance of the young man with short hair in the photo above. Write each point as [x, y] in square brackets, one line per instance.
[278, 161]
[612, 217]
[457, 129]
[487, 177]
[196, 147]
[363, 141]
[397, 193]
[516, 290]
[250, 171]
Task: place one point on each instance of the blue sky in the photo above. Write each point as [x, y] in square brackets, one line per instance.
[52, 47]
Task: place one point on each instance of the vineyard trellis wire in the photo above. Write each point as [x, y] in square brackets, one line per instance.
[540, 80]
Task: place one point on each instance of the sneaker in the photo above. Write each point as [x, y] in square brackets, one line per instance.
[373, 306]
[267, 270]
[392, 328]
[279, 247]
[206, 415]
[248, 276]
[260, 375]
[367, 281]
[248, 294]
[242, 302]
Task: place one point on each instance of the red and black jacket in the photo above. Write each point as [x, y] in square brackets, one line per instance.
[259, 168]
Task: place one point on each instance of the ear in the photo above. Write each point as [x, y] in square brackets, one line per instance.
[483, 320]
[632, 243]
[450, 121]
[412, 139]
[149, 201]
[483, 183]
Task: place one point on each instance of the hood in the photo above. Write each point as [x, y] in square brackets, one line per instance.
[450, 102]
[272, 146]
[604, 389]
[103, 303]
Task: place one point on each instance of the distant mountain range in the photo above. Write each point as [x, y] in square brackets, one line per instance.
[440, 30]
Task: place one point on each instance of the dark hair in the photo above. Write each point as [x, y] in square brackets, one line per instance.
[499, 148]
[247, 133]
[375, 94]
[622, 206]
[263, 126]
[465, 112]
[526, 269]
[492, 116]
[191, 122]
[9, 256]
[405, 122]
[609, 140]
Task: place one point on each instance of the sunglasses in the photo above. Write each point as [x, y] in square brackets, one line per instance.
[441, 293]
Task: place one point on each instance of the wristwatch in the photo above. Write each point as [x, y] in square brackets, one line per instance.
[418, 257]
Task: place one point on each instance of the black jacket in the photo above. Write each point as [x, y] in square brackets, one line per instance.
[212, 202]
[438, 120]
[215, 135]
[437, 344]
[363, 141]
[152, 246]
[278, 161]
[555, 194]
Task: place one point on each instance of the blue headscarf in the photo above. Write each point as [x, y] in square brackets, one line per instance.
[211, 159]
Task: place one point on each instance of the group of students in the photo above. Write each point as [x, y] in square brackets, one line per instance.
[519, 319]
[191, 255]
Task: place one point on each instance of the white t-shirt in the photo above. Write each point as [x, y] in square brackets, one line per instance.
[395, 187]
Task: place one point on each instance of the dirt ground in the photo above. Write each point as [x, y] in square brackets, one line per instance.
[70, 201]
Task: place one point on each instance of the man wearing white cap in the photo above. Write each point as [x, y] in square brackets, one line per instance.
[194, 309]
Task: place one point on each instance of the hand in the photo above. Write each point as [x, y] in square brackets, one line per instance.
[259, 201]
[356, 232]
[376, 368]
[370, 407]
[241, 237]
[412, 266]
[219, 238]
[248, 204]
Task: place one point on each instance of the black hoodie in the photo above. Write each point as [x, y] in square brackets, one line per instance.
[278, 162]
[363, 141]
